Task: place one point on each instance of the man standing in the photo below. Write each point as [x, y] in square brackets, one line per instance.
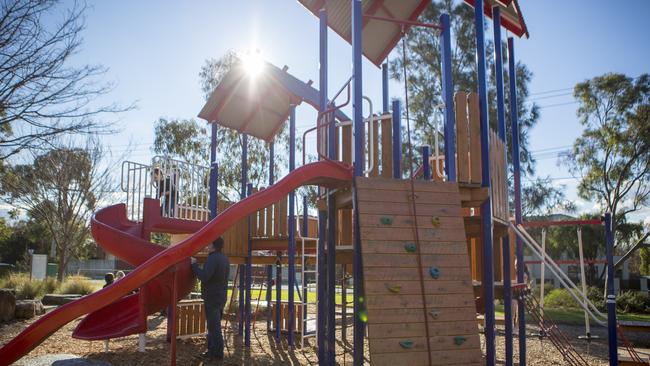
[214, 287]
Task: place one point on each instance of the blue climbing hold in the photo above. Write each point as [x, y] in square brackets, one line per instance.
[406, 344]
[386, 221]
[435, 272]
[410, 247]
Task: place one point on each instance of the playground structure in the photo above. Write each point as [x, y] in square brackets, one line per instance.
[421, 251]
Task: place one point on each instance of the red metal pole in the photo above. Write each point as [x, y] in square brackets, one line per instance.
[561, 223]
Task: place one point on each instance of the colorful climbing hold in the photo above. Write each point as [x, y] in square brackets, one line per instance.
[410, 247]
[434, 313]
[435, 272]
[435, 221]
[408, 344]
[386, 220]
[393, 289]
[458, 340]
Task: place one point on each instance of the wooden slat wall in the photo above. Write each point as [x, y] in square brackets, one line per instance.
[462, 137]
[498, 177]
[474, 138]
[386, 148]
[191, 318]
[399, 316]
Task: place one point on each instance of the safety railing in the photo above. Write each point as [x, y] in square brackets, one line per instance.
[136, 183]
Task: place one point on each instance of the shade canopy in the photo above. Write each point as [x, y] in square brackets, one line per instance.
[379, 37]
[259, 103]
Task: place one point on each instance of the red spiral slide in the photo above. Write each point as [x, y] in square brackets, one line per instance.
[323, 173]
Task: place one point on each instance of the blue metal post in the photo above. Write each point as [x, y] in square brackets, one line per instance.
[305, 233]
[611, 296]
[278, 296]
[486, 208]
[397, 140]
[244, 181]
[384, 87]
[249, 278]
[359, 164]
[214, 173]
[292, 225]
[426, 164]
[514, 120]
[323, 311]
[448, 97]
[269, 268]
[505, 240]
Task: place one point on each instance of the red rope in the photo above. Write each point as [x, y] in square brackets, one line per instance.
[628, 346]
[415, 215]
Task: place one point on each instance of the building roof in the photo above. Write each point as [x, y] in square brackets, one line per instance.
[380, 37]
[511, 17]
[258, 105]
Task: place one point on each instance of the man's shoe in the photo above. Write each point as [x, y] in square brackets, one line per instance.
[207, 355]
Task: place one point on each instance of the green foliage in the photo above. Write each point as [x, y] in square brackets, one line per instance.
[21, 236]
[27, 289]
[633, 302]
[644, 268]
[77, 285]
[612, 156]
[560, 298]
[182, 138]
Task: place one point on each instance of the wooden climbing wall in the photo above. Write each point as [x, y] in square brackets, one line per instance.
[396, 324]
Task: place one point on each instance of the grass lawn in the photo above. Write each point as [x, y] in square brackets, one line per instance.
[576, 316]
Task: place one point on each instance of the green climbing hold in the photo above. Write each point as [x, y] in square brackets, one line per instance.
[386, 221]
[406, 344]
[458, 340]
[434, 272]
[410, 247]
[435, 221]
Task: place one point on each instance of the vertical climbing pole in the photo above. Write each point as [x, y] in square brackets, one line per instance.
[611, 296]
[244, 181]
[397, 140]
[292, 226]
[514, 120]
[249, 269]
[269, 268]
[448, 96]
[214, 173]
[486, 207]
[359, 165]
[505, 241]
[322, 214]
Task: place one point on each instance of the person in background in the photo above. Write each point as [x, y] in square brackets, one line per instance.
[515, 301]
[167, 194]
[119, 275]
[109, 279]
[214, 287]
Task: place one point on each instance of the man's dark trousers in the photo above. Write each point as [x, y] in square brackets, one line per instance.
[215, 337]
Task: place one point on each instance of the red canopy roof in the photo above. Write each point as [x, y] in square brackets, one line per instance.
[511, 17]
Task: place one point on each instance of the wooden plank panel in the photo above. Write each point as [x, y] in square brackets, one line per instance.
[460, 357]
[387, 147]
[284, 217]
[462, 137]
[407, 274]
[407, 221]
[410, 260]
[268, 229]
[390, 233]
[379, 208]
[413, 287]
[415, 301]
[384, 195]
[475, 138]
[276, 220]
[438, 343]
[397, 247]
[380, 331]
[391, 316]
[404, 185]
[346, 226]
[375, 153]
[346, 144]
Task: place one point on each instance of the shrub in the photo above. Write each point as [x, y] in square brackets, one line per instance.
[77, 285]
[560, 298]
[27, 289]
[633, 302]
[30, 290]
[595, 295]
[50, 285]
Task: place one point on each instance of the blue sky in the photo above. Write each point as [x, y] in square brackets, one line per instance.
[155, 49]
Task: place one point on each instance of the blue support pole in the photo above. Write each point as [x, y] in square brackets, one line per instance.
[278, 296]
[269, 268]
[323, 311]
[214, 173]
[384, 87]
[448, 97]
[505, 240]
[292, 226]
[249, 278]
[305, 233]
[359, 164]
[397, 140]
[514, 120]
[244, 181]
[486, 207]
[611, 296]
[426, 164]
